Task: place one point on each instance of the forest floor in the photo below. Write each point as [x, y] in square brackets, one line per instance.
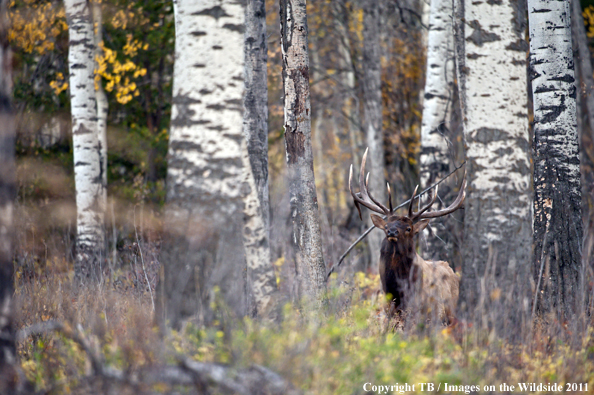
[102, 339]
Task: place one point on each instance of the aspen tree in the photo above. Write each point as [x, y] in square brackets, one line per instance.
[437, 107]
[261, 277]
[203, 242]
[584, 62]
[307, 239]
[557, 199]
[90, 195]
[101, 97]
[498, 215]
[214, 213]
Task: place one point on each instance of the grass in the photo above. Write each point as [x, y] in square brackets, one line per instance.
[339, 353]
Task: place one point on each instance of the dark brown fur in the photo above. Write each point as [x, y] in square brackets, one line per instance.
[401, 270]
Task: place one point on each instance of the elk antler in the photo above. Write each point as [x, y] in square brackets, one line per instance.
[364, 197]
[416, 215]
[456, 204]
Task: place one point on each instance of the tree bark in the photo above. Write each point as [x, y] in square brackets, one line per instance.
[372, 108]
[557, 203]
[585, 63]
[205, 176]
[498, 216]
[261, 277]
[585, 111]
[460, 53]
[102, 103]
[8, 356]
[437, 112]
[307, 241]
[88, 177]
[353, 137]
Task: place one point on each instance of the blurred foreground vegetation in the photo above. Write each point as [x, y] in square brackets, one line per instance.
[352, 345]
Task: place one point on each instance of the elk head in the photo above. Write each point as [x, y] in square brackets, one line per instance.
[397, 228]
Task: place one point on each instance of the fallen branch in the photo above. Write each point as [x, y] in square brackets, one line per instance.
[36, 329]
[253, 380]
[77, 336]
[341, 259]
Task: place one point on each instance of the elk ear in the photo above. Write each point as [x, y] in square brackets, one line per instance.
[378, 221]
[419, 226]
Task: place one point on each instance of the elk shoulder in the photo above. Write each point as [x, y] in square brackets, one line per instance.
[440, 287]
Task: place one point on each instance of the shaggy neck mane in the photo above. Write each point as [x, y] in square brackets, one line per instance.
[398, 254]
[399, 273]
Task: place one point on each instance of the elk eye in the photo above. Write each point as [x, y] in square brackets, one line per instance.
[408, 229]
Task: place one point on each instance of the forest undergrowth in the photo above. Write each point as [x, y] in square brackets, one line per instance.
[350, 345]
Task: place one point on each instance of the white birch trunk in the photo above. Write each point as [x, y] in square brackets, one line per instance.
[498, 215]
[261, 276]
[206, 134]
[102, 103]
[439, 89]
[260, 272]
[557, 203]
[205, 176]
[90, 195]
[437, 112]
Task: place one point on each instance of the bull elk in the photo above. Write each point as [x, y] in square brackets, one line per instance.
[404, 274]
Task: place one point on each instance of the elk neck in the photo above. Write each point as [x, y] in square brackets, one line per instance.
[399, 255]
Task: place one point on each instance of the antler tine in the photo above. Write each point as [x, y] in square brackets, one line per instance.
[377, 202]
[389, 197]
[368, 201]
[456, 204]
[428, 206]
[362, 175]
[353, 193]
[363, 197]
[410, 205]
